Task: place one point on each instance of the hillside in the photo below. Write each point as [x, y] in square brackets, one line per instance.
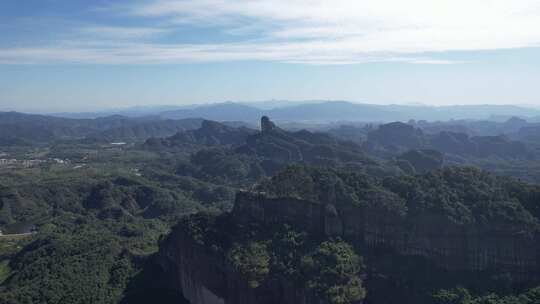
[45, 129]
[341, 237]
[210, 133]
[395, 138]
[334, 111]
[332, 217]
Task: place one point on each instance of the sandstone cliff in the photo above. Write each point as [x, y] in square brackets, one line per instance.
[202, 275]
[449, 245]
[482, 227]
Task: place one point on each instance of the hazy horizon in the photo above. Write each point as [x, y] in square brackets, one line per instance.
[82, 56]
[260, 104]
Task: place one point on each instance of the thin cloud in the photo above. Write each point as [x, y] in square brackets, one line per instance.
[443, 25]
[307, 32]
[116, 32]
[146, 53]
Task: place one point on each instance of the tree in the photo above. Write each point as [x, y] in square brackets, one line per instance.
[251, 261]
[333, 268]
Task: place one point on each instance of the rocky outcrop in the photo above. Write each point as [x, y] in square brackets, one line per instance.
[396, 138]
[210, 133]
[194, 272]
[203, 277]
[267, 125]
[202, 274]
[256, 207]
[449, 245]
[284, 147]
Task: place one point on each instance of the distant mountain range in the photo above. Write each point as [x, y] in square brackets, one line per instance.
[139, 124]
[323, 112]
[19, 128]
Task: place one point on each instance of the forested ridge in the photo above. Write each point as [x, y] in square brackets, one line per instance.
[94, 214]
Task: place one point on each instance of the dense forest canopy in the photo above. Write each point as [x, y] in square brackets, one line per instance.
[87, 205]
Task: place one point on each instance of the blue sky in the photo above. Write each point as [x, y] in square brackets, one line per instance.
[86, 55]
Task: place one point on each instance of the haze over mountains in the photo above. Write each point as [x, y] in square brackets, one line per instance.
[269, 152]
[141, 123]
[124, 205]
[321, 112]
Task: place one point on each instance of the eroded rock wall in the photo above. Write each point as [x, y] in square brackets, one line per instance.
[203, 277]
[198, 275]
[451, 246]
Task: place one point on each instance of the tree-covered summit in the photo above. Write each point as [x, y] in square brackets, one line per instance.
[462, 195]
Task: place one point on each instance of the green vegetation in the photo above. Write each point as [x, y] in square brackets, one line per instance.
[468, 196]
[98, 222]
[76, 269]
[80, 260]
[461, 295]
[332, 270]
[4, 271]
[101, 214]
[326, 269]
[251, 261]
[464, 196]
[422, 161]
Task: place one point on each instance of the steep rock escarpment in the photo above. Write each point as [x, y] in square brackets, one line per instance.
[203, 276]
[449, 245]
[458, 221]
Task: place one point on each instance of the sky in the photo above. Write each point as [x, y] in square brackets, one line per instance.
[78, 55]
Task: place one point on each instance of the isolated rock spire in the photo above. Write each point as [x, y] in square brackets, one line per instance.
[267, 125]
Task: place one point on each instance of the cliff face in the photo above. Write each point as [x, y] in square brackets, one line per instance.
[203, 277]
[451, 246]
[285, 147]
[193, 272]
